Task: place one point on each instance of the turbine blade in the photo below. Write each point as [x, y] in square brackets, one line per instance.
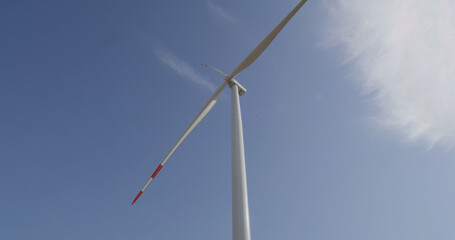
[265, 43]
[201, 115]
[224, 75]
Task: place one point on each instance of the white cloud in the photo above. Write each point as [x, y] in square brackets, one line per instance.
[181, 67]
[403, 54]
[220, 12]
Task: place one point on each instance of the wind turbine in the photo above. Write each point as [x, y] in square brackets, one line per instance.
[240, 212]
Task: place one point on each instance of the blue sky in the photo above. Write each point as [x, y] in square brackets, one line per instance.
[347, 120]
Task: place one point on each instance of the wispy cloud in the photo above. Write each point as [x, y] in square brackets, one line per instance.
[403, 55]
[221, 13]
[180, 66]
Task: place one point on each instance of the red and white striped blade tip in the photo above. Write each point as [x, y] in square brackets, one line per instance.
[138, 195]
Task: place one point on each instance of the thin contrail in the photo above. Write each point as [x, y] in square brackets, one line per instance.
[181, 67]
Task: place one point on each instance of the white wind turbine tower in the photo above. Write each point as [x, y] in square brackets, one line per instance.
[240, 212]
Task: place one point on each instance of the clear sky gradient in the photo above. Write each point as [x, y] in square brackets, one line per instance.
[93, 94]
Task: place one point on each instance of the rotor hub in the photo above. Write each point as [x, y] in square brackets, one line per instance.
[233, 82]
